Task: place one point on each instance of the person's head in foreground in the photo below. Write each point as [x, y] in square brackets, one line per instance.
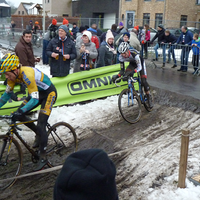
[87, 175]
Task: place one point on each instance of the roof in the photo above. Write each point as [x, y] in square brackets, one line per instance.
[3, 1]
[4, 5]
[27, 6]
[35, 5]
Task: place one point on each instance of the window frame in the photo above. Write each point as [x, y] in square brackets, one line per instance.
[158, 19]
[146, 19]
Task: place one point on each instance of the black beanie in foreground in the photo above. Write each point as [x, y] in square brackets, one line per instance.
[87, 175]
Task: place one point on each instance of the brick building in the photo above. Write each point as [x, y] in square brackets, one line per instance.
[171, 13]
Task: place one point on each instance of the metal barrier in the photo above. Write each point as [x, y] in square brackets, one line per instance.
[182, 56]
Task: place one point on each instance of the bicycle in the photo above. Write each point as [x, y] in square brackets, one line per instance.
[130, 100]
[37, 40]
[62, 141]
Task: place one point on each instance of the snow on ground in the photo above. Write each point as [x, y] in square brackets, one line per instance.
[149, 160]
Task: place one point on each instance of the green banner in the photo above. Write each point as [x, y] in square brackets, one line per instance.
[77, 87]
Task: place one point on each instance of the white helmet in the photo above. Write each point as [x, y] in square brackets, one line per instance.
[123, 47]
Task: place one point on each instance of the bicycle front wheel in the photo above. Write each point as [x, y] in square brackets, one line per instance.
[62, 141]
[129, 108]
[10, 163]
[148, 107]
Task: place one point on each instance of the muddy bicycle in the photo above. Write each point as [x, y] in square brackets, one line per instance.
[62, 141]
[130, 100]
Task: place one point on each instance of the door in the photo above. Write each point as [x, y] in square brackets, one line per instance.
[130, 16]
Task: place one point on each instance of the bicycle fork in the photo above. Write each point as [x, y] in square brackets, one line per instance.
[8, 152]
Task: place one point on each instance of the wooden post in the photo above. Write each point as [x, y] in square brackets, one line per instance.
[183, 158]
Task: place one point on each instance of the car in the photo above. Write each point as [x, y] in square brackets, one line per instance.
[194, 30]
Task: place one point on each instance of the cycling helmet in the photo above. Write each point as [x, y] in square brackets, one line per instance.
[123, 47]
[8, 63]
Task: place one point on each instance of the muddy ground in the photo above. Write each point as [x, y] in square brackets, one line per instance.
[151, 141]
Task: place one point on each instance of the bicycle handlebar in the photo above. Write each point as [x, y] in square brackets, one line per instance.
[119, 79]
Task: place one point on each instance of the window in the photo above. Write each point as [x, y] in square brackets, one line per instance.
[158, 19]
[18, 12]
[128, 0]
[147, 0]
[48, 1]
[22, 12]
[160, 0]
[146, 18]
[183, 21]
[197, 1]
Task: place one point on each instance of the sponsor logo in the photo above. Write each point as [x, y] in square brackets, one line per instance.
[26, 79]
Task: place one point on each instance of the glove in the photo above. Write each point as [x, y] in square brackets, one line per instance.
[114, 77]
[17, 115]
[125, 78]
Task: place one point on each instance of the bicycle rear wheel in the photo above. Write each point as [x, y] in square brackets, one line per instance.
[62, 141]
[10, 164]
[130, 111]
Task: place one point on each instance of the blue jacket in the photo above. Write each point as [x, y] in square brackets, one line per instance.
[188, 38]
[61, 66]
[195, 49]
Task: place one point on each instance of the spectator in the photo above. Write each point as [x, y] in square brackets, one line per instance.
[121, 29]
[195, 50]
[136, 30]
[99, 32]
[89, 49]
[36, 27]
[61, 50]
[69, 33]
[30, 26]
[134, 42]
[160, 35]
[75, 30]
[80, 34]
[113, 30]
[86, 175]
[107, 53]
[50, 34]
[12, 26]
[95, 39]
[24, 50]
[185, 39]
[170, 39]
[145, 38]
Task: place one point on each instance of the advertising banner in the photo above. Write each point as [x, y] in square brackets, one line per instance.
[77, 87]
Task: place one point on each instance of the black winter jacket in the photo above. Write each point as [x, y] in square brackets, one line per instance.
[60, 67]
[170, 38]
[160, 35]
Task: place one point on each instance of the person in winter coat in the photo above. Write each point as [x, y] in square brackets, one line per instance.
[24, 50]
[195, 50]
[134, 42]
[145, 38]
[170, 39]
[89, 48]
[113, 30]
[121, 29]
[107, 53]
[160, 35]
[185, 39]
[49, 35]
[75, 30]
[95, 38]
[61, 50]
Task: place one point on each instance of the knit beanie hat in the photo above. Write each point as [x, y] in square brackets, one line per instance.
[65, 21]
[88, 33]
[136, 27]
[64, 28]
[121, 24]
[109, 35]
[127, 34]
[54, 21]
[86, 175]
[161, 26]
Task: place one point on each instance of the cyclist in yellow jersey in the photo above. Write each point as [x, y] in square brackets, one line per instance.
[41, 92]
